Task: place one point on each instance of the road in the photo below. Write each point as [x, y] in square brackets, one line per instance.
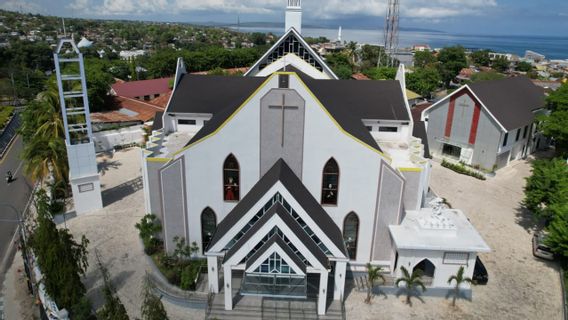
[15, 194]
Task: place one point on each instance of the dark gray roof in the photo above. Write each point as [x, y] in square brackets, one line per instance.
[278, 209]
[347, 101]
[511, 100]
[276, 239]
[211, 94]
[419, 129]
[282, 172]
[157, 125]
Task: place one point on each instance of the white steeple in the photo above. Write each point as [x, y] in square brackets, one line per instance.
[294, 15]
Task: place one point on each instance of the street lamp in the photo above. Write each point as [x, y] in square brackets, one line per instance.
[23, 237]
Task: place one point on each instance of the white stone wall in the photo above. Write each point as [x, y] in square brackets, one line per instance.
[358, 164]
[107, 140]
[410, 258]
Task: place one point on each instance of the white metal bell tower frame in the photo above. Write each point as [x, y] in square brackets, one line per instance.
[83, 172]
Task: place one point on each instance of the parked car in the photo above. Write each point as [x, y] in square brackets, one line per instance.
[540, 249]
[480, 276]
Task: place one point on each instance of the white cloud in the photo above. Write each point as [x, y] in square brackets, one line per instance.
[20, 5]
[422, 9]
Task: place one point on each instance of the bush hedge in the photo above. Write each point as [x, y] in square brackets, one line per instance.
[462, 169]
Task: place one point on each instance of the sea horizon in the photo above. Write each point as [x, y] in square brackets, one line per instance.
[553, 47]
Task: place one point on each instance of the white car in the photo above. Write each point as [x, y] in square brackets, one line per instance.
[541, 250]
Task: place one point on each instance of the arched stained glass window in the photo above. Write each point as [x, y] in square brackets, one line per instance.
[351, 234]
[330, 183]
[231, 179]
[208, 227]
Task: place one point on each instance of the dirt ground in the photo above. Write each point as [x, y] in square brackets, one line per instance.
[18, 303]
[520, 286]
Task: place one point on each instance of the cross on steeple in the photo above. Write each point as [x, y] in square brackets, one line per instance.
[283, 107]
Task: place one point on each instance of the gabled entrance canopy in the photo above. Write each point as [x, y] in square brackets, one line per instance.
[279, 193]
[291, 49]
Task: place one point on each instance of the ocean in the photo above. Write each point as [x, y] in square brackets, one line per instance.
[551, 47]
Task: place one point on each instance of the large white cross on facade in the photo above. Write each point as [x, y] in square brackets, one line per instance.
[283, 107]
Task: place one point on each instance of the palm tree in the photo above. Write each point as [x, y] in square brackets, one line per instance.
[459, 278]
[412, 281]
[352, 50]
[42, 129]
[373, 274]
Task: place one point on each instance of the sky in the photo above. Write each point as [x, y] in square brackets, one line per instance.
[499, 17]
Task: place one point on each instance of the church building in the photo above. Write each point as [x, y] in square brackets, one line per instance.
[291, 180]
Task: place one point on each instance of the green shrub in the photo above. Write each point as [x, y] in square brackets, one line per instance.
[462, 169]
[188, 275]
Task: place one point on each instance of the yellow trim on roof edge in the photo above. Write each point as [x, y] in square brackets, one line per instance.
[389, 159]
[162, 160]
[410, 169]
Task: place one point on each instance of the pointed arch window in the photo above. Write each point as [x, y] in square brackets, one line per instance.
[351, 234]
[330, 183]
[208, 227]
[231, 179]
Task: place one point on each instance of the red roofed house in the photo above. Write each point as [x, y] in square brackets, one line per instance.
[143, 89]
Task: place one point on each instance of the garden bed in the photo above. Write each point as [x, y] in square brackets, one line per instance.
[462, 169]
[180, 268]
[5, 116]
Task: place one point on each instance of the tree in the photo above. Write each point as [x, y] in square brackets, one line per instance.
[524, 66]
[352, 51]
[481, 58]
[546, 188]
[113, 308]
[340, 64]
[452, 60]
[554, 124]
[258, 38]
[486, 76]
[423, 59]
[373, 274]
[42, 130]
[423, 81]
[411, 282]
[152, 307]
[459, 279]
[382, 73]
[501, 64]
[61, 259]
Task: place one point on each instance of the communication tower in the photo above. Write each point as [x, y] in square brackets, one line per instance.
[390, 33]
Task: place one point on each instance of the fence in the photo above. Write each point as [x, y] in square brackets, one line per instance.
[9, 133]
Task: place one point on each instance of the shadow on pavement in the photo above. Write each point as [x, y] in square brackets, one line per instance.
[121, 191]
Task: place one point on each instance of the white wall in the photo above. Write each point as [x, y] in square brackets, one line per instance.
[410, 258]
[107, 140]
[359, 166]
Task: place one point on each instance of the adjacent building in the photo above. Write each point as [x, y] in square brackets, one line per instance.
[486, 124]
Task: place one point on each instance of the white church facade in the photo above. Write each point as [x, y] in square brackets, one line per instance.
[293, 180]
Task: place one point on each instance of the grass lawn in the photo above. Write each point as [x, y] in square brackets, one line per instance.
[5, 113]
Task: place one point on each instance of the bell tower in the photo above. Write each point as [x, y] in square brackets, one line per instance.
[294, 15]
[83, 172]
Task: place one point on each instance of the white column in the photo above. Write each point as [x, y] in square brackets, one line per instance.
[213, 274]
[339, 287]
[322, 300]
[228, 288]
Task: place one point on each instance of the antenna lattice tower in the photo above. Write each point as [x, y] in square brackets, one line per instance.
[391, 32]
[72, 84]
